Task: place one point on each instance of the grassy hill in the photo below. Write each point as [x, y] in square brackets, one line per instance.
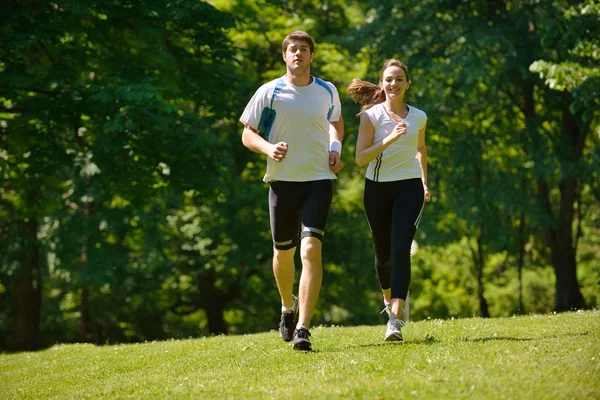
[530, 357]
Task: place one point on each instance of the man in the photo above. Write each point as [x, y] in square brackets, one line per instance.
[300, 118]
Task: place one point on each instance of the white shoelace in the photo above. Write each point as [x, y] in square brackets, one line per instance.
[387, 309]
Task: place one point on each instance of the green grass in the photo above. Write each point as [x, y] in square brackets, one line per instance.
[530, 357]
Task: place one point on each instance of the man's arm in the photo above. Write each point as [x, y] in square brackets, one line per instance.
[252, 140]
[336, 130]
[336, 134]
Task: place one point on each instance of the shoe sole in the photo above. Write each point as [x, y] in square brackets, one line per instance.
[303, 346]
[393, 338]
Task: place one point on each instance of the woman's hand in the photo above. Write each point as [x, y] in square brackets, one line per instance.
[399, 130]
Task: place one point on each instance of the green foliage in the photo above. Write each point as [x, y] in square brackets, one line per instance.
[573, 67]
[109, 112]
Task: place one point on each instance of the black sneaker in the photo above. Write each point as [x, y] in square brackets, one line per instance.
[288, 323]
[301, 341]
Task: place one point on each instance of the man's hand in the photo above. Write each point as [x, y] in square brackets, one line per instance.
[278, 151]
[335, 164]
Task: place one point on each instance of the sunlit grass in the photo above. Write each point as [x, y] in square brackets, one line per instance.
[530, 357]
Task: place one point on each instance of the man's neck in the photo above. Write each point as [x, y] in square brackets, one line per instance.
[303, 79]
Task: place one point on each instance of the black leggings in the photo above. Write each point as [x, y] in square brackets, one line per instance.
[394, 210]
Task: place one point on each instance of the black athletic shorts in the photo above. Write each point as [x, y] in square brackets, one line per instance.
[298, 209]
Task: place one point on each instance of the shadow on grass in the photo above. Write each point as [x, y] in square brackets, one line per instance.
[431, 340]
[515, 339]
[368, 345]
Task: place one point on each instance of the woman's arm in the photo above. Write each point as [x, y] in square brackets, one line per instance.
[422, 158]
[366, 150]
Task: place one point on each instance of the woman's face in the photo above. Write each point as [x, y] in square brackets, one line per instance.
[394, 82]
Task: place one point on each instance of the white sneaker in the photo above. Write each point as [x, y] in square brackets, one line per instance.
[393, 332]
[387, 310]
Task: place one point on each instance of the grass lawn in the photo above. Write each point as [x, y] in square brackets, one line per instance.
[530, 357]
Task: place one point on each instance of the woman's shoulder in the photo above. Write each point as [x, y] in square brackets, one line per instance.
[375, 111]
[417, 112]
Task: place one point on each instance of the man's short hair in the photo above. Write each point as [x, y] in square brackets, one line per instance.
[298, 35]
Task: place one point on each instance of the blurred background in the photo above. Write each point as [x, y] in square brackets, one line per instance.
[131, 211]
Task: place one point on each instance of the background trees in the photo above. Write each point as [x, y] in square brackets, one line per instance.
[520, 136]
[129, 210]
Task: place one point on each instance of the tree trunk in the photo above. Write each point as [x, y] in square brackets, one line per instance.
[85, 308]
[521, 261]
[478, 260]
[26, 292]
[483, 304]
[85, 314]
[213, 303]
[478, 253]
[568, 295]
[214, 315]
[559, 229]
[84, 329]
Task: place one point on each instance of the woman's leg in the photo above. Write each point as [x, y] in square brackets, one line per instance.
[407, 210]
[378, 209]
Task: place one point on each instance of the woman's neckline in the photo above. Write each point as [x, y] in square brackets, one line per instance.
[392, 118]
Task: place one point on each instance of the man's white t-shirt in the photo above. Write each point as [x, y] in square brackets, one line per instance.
[301, 122]
[398, 161]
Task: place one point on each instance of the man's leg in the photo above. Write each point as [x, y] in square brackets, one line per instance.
[284, 210]
[310, 279]
[315, 209]
[283, 269]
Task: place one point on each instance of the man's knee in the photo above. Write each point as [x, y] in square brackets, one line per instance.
[280, 255]
[310, 249]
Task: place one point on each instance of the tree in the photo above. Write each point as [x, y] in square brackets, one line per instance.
[106, 106]
[568, 69]
[470, 49]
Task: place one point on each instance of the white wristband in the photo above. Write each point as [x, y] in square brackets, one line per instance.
[336, 145]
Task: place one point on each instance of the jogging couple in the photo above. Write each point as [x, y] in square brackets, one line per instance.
[296, 122]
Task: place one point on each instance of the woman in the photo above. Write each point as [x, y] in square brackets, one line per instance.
[391, 140]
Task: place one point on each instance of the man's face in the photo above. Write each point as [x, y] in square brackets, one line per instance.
[297, 56]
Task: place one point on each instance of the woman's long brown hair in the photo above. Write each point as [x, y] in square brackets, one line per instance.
[368, 94]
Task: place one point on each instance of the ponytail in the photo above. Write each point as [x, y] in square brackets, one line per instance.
[365, 93]
[369, 94]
